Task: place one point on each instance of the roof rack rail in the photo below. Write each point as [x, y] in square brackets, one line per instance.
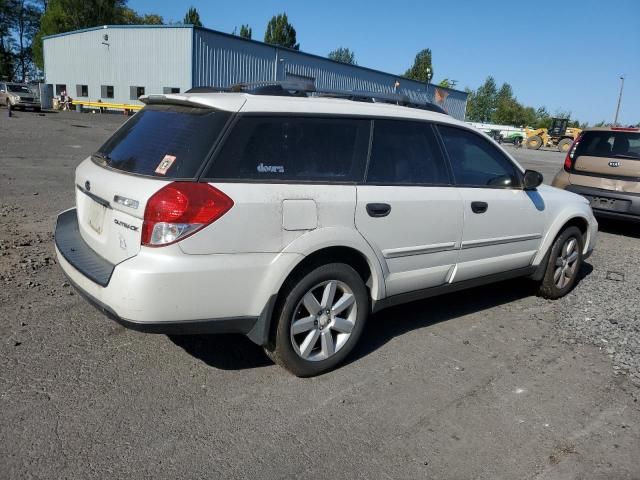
[207, 90]
[298, 88]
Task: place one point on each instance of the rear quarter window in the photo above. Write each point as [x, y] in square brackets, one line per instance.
[168, 141]
[284, 148]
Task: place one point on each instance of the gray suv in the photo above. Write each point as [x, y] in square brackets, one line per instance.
[19, 95]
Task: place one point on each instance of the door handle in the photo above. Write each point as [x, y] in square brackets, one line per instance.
[479, 207]
[378, 209]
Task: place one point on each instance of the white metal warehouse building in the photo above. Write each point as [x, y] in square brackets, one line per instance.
[119, 63]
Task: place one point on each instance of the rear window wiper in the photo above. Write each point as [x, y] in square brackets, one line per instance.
[632, 157]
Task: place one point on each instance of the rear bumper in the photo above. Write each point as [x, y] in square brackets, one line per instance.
[242, 325]
[167, 291]
[629, 210]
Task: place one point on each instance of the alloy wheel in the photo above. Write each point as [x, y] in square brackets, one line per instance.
[566, 263]
[323, 320]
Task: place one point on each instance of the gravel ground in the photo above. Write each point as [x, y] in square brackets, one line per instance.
[604, 311]
[489, 383]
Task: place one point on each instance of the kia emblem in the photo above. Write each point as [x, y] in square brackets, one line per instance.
[87, 185]
[614, 164]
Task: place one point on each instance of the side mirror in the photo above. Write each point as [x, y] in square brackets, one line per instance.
[532, 179]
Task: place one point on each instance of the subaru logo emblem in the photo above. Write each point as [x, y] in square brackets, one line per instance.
[614, 164]
[87, 185]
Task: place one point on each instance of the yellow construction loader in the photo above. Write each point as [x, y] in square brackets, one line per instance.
[560, 135]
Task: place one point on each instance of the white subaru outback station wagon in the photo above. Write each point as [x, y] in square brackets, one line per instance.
[290, 218]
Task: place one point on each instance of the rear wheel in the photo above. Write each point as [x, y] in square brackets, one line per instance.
[319, 320]
[565, 144]
[563, 264]
[534, 142]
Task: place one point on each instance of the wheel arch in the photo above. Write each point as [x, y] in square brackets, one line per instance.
[576, 219]
[316, 248]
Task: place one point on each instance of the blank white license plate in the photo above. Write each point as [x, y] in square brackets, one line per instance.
[96, 216]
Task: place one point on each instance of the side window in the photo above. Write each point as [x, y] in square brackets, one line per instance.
[405, 153]
[294, 148]
[477, 163]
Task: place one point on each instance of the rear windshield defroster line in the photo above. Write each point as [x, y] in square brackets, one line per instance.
[164, 141]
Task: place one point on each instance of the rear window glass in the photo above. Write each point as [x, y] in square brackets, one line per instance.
[169, 141]
[609, 144]
[294, 148]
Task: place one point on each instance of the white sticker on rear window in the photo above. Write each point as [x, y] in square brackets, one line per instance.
[165, 164]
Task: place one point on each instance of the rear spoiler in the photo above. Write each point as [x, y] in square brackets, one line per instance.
[227, 103]
[173, 99]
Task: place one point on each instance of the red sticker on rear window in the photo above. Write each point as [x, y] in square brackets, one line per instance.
[165, 164]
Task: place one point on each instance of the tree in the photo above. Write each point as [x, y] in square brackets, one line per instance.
[507, 109]
[481, 103]
[131, 17]
[25, 27]
[505, 93]
[245, 31]
[422, 69]
[6, 42]
[445, 83]
[543, 119]
[192, 17]
[281, 32]
[18, 25]
[343, 55]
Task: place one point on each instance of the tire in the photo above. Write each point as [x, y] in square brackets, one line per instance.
[565, 144]
[534, 142]
[561, 272]
[309, 352]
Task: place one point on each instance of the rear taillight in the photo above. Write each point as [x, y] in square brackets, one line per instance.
[568, 161]
[181, 209]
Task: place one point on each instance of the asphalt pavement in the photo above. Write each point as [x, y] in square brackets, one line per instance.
[491, 383]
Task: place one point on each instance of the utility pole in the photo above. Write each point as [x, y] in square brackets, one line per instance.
[615, 122]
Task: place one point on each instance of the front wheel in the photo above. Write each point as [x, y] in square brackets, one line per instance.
[534, 142]
[319, 320]
[563, 265]
[565, 144]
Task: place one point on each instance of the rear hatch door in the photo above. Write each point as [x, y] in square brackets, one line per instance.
[160, 144]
